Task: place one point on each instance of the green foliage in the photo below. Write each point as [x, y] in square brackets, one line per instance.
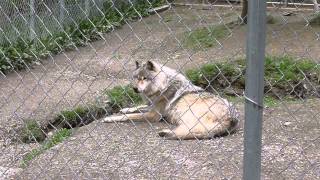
[287, 69]
[225, 73]
[31, 132]
[24, 52]
[271, 19]
[205, 37]
[77, 117]
[315, 19]
[123, 97]
[71, 118]
[30, 156]
[56, 138]
[281, 72]
[268, 101]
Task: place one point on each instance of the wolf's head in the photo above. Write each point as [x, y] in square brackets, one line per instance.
[149, 79]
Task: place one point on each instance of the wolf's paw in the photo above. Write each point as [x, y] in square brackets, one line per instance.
[110, 119]
[167, 133]
[128, 110]
[137, 109]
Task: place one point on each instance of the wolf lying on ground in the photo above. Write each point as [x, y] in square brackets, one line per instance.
[198, 114]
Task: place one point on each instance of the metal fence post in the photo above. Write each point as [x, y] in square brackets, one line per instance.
[254, 89]
[32, 34]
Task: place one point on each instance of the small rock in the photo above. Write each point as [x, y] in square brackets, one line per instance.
[50, 133]
[287, 123]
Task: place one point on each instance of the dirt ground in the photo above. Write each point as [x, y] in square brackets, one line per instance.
[133, 151]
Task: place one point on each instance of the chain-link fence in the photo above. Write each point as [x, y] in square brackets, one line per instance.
[38, 18]
[102, 89]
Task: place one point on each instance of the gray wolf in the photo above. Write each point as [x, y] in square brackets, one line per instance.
[196, 113]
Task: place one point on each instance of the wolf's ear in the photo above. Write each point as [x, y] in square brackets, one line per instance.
[150, 66]
[137, 65]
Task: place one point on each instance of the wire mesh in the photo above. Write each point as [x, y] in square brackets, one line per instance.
[68, 65]
[19, 19]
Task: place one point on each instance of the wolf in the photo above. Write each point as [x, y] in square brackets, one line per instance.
[196, 113]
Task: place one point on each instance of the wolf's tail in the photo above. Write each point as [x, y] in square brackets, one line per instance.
[235, 119]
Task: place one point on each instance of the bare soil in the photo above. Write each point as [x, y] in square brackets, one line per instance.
[134, 151]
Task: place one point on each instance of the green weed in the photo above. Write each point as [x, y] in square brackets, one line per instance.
[315, 19]
[31, 132]
[271, 19]
[56, 138]
[71, 118]
[77, 117]
[269, 101]
[226, 73]
[24, 52]
[123, 96]
[281, 73]
[205, 37]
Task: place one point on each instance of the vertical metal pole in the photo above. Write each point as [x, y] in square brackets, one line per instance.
[32, 20]
[256, 35]
[62, 10]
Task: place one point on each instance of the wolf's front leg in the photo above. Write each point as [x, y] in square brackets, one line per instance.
[148, 116]
[137, 109]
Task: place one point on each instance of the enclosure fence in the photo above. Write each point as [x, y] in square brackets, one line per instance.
[38, 18]
[65, 65]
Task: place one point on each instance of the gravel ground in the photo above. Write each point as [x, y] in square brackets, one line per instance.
[134, 151]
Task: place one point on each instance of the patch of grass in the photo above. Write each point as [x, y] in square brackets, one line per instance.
[268, 101]
[283, 74]
[24, 52]
[224, 73]
[71, 118]
[286, 69]
[271, 19]
[31, 132]
[315, 19]
[30, 156]
[123, 96]
[56, 138]
[77, 117]
[235, 99]
[66, 119]
[205, 37]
